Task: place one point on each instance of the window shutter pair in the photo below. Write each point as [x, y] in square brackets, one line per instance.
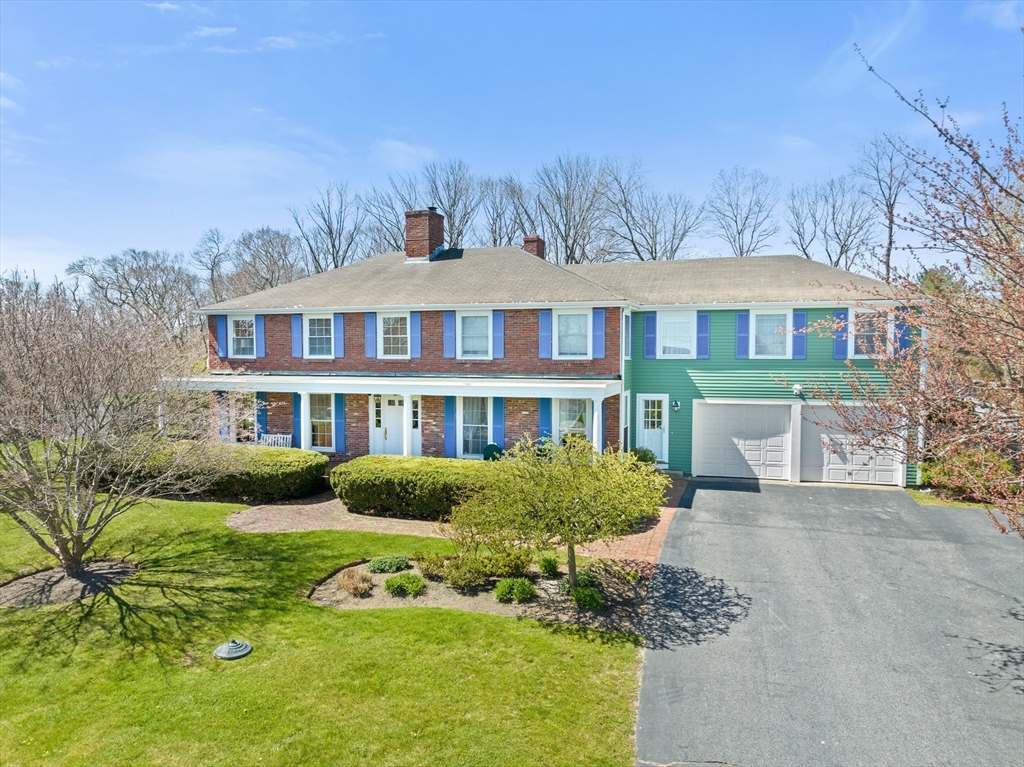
[497, 335]
[370, 335]
[221, 322]
[743, 335]
[703, 336]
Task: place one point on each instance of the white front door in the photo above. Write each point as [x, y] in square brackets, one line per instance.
[750, 441]
[827, 454]
[652, 424]
[393, 431]
[387, 425]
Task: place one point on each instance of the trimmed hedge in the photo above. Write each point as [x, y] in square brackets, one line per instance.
[412, 487]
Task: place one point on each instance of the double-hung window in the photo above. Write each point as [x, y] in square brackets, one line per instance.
[677, 335]
[475, 426]
[474, 335]
[394, 336]
[573, 418]
[770, 336]
[321, 414]
[243, 337]
[867, 333]
[320, 336]
[572, 335]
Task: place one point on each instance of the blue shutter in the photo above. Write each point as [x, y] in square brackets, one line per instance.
[544, 417]
[261, 414]
[799, 335]
[901, 334]
[339, 422]
[650, 336]
[222, 335]
[498, 338]
[544, 337]
[597, 321]
[450, 448]
[415, 335]
[742, 335]
[627, 334]
[261, 337]
[449, 335]
[370, 329]
[296, 420]
[703, 335]
[839, 343]
[498, 427]
[296, 335]
[339, 336]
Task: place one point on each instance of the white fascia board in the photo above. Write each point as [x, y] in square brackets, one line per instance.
[618, 302]
[410, 385]
[757, 305]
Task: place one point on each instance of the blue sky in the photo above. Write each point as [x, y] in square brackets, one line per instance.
[142, 124]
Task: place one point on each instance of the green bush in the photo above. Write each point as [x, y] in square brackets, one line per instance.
[401, 486]
[431, 565]
[466, 572]
[645, 455]
[587, 580]
[587, 599]
[564, 588]
[389, 563]
[514, 563]
[514, 590]
[548, 566]
[406, 584]
[952, 475]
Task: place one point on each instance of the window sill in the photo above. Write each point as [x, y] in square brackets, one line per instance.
[241, 357]
[318, 357]
[770, 357]
[461, 358]
[393, 357]
[676, 357]
[570, 358]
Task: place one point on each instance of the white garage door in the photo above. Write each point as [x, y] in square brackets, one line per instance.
[827, 455]
[751, 441]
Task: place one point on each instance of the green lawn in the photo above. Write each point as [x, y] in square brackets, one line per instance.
[933, 499]
[129, 678]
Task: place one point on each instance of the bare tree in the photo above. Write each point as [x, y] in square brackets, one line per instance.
[831, 221]
[154, 287]
[497, 209]
[887, 174]
[87, 399]
[741, 209]
[385, 209]
[262, 259]
[210, 256]
[457, 193]
[569, 195]
[642, 223]
[330, 228]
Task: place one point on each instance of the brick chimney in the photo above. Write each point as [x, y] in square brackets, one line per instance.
[424, 232]
[534, 246]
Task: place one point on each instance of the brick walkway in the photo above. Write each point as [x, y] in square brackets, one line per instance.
[644, 545]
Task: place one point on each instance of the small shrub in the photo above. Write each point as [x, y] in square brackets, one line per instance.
[358, 583]
[564, 588]
[431, 565]
[390, 563]
[514, 590]
[951, 475]
[587, 580]
[465, 572]
[645, 455]
[587, 599]
[405, 584]
[548, 566]
[514, 563]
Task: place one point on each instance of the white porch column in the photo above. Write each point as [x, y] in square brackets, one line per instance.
[307, 421]
[596, 430]
[406, 424]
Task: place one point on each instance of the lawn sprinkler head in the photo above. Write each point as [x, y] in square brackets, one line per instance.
[233, 650]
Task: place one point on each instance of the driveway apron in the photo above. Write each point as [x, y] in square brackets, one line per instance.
[823, 625]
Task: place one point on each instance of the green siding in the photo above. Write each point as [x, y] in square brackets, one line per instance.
[725, 377]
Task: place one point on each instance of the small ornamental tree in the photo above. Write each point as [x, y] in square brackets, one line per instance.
[566, 495]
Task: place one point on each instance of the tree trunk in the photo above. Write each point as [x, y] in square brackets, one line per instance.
[572, 566]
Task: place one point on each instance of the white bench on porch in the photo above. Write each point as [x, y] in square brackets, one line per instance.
[275, 440]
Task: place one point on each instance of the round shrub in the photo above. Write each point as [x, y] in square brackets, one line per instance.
[587, 599]
[406, 584]
[645, 455]
[431, 565]
[514, 590]
[548, 566]
[587, 580]
[957, 473]
[389, 563]
[513, 563]
[465, 572]
[407, 486]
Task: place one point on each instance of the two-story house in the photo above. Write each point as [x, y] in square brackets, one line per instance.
[441, 351]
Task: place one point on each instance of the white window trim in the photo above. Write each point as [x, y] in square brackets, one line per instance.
[334, 437]
[380, 336]
[789, 334]
[588, 418]
[490, 334]
[458, 428]
[305, 336]
[231, 337]
[851, 334]
[556, 354]
[627, 337]
[693, 336]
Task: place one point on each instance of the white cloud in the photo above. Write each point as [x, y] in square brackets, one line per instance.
[374, 35]
[165, 6]
[214, 31]
[794, 143]
[1008, 14]
[58, 63]
[9, 81]
[279, 43]
[401, 155]
[6, 103]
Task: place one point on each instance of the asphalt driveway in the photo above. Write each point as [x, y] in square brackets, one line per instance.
[814, 625]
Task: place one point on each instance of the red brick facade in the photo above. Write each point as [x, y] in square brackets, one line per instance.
[522, 417]
[432, 426]
[522, 333]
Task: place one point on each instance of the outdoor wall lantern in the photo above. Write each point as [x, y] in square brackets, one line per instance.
[798, 389]
[675, 405]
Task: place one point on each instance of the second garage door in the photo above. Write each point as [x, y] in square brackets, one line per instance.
[751, 441]
[827, 454]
